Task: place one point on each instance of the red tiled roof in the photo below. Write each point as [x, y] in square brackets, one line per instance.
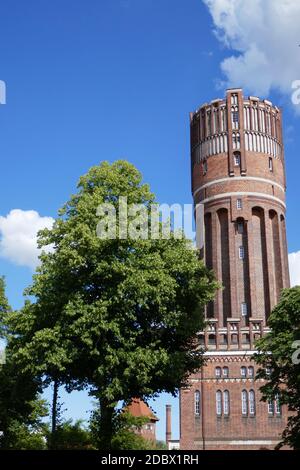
[138, 408]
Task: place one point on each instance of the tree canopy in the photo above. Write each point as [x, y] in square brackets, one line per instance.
[116, 315]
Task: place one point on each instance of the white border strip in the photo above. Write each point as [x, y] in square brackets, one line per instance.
[244, 193]
[247, 352]
[240, 178]
[239, 443]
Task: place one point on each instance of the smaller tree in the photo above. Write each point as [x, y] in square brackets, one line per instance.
[279, 359]
[125, 431]
[4, 310]
[21, 407]
[70, 436]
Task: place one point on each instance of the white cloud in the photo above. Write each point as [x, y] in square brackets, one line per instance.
[264, 35]
[294, 263]
[18, 233]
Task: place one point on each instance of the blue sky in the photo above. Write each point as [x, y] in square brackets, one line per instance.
[106, 79]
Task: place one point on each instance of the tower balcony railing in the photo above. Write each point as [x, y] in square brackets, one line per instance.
[233, 336]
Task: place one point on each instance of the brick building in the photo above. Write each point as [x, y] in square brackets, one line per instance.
[238, 173]
[139, 409]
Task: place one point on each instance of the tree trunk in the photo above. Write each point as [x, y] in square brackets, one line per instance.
[106, 424]
[54, 412]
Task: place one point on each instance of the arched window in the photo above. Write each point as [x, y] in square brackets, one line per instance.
[244, 403]
[252, 402]
[218, 372]
[225, 371]
[251, 371]
[226, 405]
[197, 403]
[219, 403]
[244, 371]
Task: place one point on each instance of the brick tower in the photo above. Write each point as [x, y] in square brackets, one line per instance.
[238, 173]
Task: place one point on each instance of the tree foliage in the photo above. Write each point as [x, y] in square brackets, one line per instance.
[4, 308]
[118, 316]
[279, 354]
[70, 436]
[21, 407]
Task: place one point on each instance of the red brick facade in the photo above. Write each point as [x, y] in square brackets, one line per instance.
[238, 173]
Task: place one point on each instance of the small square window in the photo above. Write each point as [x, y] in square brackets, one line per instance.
[239, 204]
[268, 371]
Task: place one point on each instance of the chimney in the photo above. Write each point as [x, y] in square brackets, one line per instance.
[168, 423]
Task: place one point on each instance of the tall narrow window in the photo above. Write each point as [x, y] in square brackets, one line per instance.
[240, 228]
[218, 372]
[239, 204]
[244, 403]
[270, 164]
[235, 118]
[225, 372]
[219, 403]
[244, 309]
[197, 403]
[204, 167]
[252, 402]
[209, 122]
[237, 159]
[226, 406]
[277, 405]
[241, 252]
[250, 372]
[270, 408]
[244, 372]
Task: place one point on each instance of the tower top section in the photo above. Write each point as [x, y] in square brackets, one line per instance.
[239, 130]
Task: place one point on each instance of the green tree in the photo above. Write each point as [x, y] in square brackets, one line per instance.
[70, 436]
[4, 305]
[126, 429]
[21, 407]
[116, 315]
[4, 309]
[280, 364]
[24, 438]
